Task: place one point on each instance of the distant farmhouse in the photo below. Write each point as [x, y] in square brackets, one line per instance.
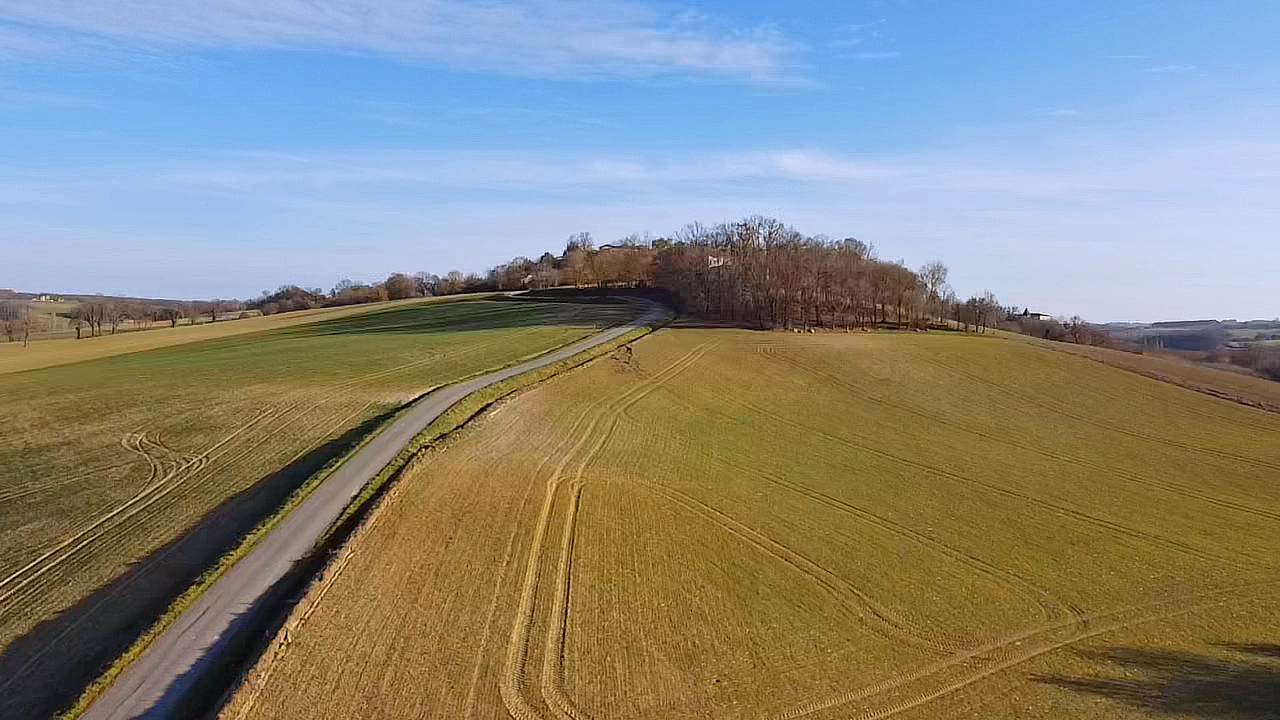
[1028, 315]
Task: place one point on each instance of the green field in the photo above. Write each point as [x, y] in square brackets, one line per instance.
[122, 478]
[733, 524]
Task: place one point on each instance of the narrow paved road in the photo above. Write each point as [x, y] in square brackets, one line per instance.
[155, 684]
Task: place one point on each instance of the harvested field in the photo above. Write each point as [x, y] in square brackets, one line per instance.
[123, 478]
[730, 524]
[1229, 382]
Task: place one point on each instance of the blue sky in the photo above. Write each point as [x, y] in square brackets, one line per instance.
[1117, 160]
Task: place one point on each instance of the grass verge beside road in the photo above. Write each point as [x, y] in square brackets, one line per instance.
[451, 420]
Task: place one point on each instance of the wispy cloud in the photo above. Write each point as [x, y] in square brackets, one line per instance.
[577, 39]
[880, 55]
[1171, 68]
[229, 223]
[1059, 112]
[856, 34]
[1129, 57]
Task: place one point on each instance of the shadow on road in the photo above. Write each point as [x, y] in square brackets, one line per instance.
[1243, 683]
[52, 664]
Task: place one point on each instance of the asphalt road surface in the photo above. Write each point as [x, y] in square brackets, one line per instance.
[155, 684]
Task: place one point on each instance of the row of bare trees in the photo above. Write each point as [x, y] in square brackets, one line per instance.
[760, 271]
[17, 321]
[89, 319]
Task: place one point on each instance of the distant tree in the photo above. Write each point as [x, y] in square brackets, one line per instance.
[113, 313]
[342, 288]
[170, 315]
[28, 321]
[400, 286]
[425, 284]
[580, 241]
[10, 319]
[452, 283]
[933, 280]
[1076, 329]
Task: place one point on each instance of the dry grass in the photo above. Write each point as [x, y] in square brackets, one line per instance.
[104, 463]
[733, 524]
[1229, 382]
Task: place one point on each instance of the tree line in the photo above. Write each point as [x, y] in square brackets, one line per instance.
[757, 271]
[761, 272]
[19, 320]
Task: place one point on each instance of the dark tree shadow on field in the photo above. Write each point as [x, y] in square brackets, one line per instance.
[1187, 684]
[52, 664]
[552, 310]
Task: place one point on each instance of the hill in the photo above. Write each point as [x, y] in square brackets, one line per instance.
[722, 523]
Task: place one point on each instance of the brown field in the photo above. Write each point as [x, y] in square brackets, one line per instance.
[123, 478]
[1229, 382]
[729, 524]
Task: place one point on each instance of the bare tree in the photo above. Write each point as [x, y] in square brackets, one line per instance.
[113, 313]
[933, 279]
[28, 320]
[1076, 328]
[10, 319]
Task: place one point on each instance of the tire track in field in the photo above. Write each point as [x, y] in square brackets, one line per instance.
[171, 471]
[1056, 407]
[43, 563]
[1011, 653]
[187, 473]
[878, 617]
[1169, 487]
[97, 528]
[38, 486]
[1112, 527]
[89, 615]
[515, 674]
[556, 444]
[1051, 608]
[155, 504]
[189, 477]
[552, 679]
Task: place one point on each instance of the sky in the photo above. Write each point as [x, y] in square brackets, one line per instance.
[1116, 160]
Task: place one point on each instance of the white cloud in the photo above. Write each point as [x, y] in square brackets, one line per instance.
[553, 38]
[1171, 68]
[1127, 221]
[1059, 112]
[881, 55]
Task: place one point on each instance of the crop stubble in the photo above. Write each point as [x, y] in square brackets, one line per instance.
[170, 433]
[777, 526]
